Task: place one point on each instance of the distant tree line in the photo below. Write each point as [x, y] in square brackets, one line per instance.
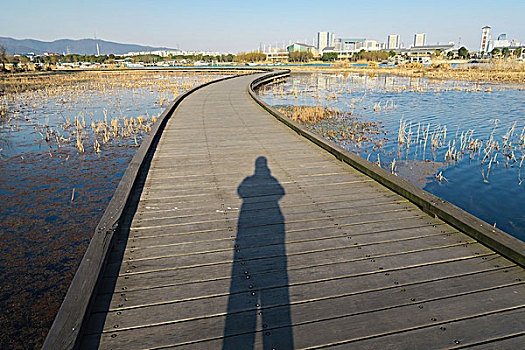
[364, 55]
[250, 57]
[300, 56]
[20, 62]
[329, 56]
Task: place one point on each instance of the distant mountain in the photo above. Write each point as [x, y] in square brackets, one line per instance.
[81, 47]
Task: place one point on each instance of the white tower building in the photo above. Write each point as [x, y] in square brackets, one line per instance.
[393, 42]
[420, 39]
[485, 37]
[325, 39]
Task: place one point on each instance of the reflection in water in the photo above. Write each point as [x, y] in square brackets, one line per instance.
[245, 293]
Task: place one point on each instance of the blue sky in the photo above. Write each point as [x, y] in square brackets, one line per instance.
[233, 26]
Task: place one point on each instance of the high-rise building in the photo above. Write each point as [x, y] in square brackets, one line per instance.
[485, 37]
[325, 39]
[420, 39]
[393, 42]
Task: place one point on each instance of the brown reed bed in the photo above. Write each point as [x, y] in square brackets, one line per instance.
[335, 124]
[490, 152]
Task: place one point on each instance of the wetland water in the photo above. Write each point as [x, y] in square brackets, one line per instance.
[461, 141]
[65, 142]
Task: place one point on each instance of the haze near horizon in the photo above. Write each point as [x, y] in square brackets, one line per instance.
[233, 26]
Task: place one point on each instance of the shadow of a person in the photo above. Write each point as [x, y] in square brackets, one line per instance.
[260, 234]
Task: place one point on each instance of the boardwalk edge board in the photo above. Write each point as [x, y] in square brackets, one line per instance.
[492, 237]
[66, 329]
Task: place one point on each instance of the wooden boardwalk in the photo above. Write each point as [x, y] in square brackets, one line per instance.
[249, 236]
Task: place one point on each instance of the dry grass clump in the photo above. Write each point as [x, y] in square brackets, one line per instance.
[335, 124]
[312, 114]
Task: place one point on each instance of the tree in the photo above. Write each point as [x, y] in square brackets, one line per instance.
[250, 57]
[329, 56]
[3, 55]
[371, 55]
[300, 56]
[505, 52]
[15, 60]
[517, 52]
[227, 58]
[463, 52]
[23, 62]
[391, 53]
[495, 52]
[438, 52]
[450, 54]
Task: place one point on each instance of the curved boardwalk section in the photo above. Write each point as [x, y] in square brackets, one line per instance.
[247, 235]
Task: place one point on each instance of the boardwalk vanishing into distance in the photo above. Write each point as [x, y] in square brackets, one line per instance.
[240, 233]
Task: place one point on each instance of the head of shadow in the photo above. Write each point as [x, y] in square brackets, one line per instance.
[259, 279]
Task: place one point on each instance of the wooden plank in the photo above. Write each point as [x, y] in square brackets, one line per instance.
[489, 331]
[267, 245]
[246, 166]
[263, 216]
[270, 263]
[192, 243]
[508, 341]
[315, 269]
[296, 170]
[289, 198]
[270, 227]
[228, 193]
[304, 250]
[152, 214]
[232, 182]
[344, 279]
[379, 313]
[323, 296]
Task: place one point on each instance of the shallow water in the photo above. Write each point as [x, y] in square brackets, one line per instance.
[53, 195]
[478, 130]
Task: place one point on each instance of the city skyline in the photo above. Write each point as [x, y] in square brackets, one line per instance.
[236, 26]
